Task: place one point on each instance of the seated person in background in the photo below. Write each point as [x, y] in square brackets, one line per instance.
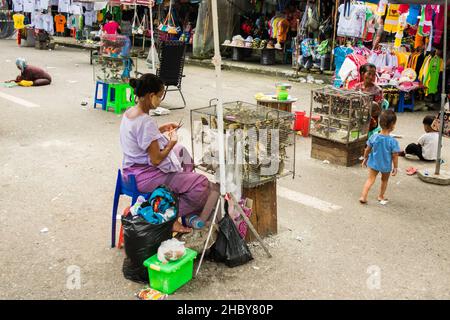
[367, 84]
[38, 76]
[427, 146]
[307, 46]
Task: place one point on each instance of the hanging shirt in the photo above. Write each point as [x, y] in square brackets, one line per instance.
[63, 6]
[18, 21]
[54, 2]
[60, 22]
[391, 22]
[425, 20]
[89, 18]
[99, 16]
[17, 5]
[414, 13]
[28, 5]
[37, 20]
[351, 24]
[438, 26]
[42, 4]
[76, 9]
[47, 20]
[435, 67]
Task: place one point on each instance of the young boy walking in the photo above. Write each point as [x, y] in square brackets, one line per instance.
[380, 154]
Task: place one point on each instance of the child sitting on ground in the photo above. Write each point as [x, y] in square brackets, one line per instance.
[427, 145]
[381, 152]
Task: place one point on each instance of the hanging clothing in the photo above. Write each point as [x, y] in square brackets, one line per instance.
[63, 6]
[425, 22]
[60, 23]
[391, 22]
[28, 6]
[351, 21]
[439, 21]
[89, 18]
[414, 13]
[42, 4]
[47, 20]
[17, 5]
[18, 19]
[340, 53]
[431, 77]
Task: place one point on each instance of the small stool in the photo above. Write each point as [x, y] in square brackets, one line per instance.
[128, 188]
[402, 105]
[102, 101]
[117, 97]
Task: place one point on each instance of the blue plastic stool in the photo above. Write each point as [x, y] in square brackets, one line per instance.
[128, 188]
[104, 97]
[402, 105]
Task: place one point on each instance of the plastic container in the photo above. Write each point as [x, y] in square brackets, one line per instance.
[305, 128]
[169, 277]
[299, 116]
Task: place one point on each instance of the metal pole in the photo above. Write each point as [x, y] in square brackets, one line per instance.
[217, 60]
[443, 95]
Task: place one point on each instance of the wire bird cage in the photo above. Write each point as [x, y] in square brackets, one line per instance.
[339, 115]
[259, 141]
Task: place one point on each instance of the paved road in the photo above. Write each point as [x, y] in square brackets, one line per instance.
[58, 167]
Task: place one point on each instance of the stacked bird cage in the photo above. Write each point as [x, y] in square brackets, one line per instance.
[339, 115]
[259, 141]
[109, 64]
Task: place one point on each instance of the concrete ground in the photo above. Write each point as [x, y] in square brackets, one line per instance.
[58, 167]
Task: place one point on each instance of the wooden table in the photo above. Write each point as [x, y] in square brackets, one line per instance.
[92, 47]
[240, 53]
[282, 105]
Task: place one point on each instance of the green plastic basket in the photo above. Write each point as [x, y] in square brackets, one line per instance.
[167, 278]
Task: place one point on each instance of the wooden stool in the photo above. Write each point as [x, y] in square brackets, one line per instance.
[264, 211]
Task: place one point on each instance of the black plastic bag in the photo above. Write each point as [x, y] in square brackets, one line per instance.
[229, 247]
[141, 241]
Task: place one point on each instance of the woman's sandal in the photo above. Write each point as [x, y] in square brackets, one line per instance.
[383, 201]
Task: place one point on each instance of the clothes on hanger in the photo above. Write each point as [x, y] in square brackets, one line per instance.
[64, 6]
[352, 20]
[60, 23]
[19, 19]
[28, 6]
[17, 5]
[392, 17]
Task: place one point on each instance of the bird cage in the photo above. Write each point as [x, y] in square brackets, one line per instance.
[108, 69]
[258, 140]
[339, 115]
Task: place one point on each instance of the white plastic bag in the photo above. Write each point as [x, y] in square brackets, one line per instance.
[171, 250]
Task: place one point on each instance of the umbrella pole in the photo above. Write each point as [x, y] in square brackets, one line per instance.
[443, 95]
[334, 34]
[152, 47]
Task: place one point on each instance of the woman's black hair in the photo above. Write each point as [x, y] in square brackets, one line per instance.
[364, 68]
[147, 83]
[387, 119]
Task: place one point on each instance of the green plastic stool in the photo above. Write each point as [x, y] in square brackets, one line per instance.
[117, 97]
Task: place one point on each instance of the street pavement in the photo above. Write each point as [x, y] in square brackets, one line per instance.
[58, 168]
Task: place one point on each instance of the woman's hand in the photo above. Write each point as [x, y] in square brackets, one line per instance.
[168, 127]
[173, 137]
